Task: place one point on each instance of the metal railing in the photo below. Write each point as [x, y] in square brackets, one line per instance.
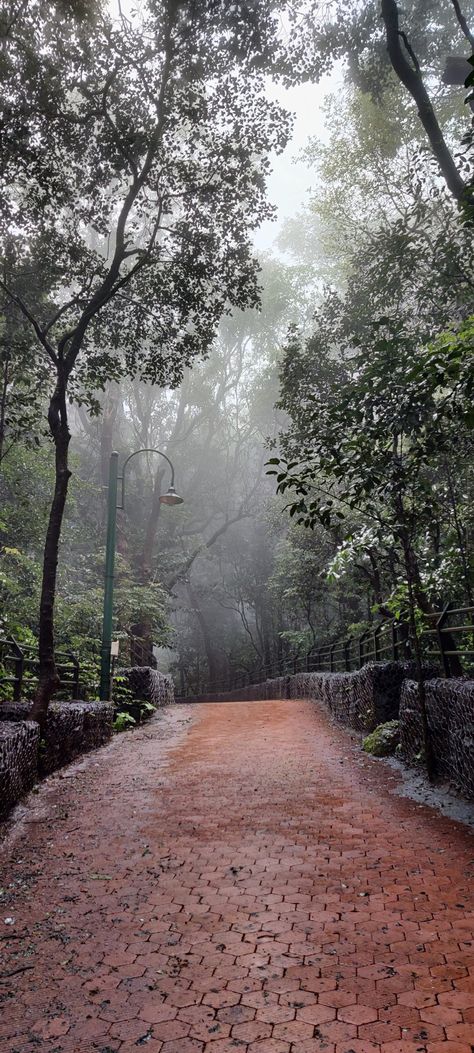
[448, 634]
[447, 639]
[19, 669]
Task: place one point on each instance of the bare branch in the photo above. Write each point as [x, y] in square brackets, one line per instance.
[15, 298]
[207, 544]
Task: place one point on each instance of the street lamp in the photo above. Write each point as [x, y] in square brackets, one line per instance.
[169, 498]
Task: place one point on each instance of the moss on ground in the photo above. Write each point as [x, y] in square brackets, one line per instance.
[384, 740]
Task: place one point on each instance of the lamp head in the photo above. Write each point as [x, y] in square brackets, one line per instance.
[171, 497]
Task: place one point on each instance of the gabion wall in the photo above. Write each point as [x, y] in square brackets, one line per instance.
[450, 712]
[97, 728]
[19, 744]
[150, 685]
[71, 728]
[362, 699]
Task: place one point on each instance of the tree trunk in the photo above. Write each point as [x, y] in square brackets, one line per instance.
[3, 403]
[151, 528]
[109, 416]
[430, 762]
[461, 535]
[141, 644]
[405, 65]
[415, 594]
[213, 671]
[142, 650]
[48, 675]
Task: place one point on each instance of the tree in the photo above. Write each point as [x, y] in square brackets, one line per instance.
[413, 36]
[134, 168]
[407, 68]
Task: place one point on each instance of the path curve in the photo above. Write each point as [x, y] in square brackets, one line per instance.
[235, 878]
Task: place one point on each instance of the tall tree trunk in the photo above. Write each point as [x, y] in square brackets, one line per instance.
[151, 528]
[3, 402]
[109, 417]
[48, 675]
[416, 598]
[143, 647]
[463, 23]
[412, 576]
[461, 536]
[430, 762]
[212, 665]
[406, 66]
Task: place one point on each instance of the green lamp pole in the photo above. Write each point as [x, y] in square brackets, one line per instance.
[169, 498]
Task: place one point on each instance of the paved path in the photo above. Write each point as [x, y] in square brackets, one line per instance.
[235, 878]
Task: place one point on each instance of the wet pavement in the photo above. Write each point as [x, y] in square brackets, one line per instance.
[235, 878]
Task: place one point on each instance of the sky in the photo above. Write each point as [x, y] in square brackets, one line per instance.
[291, 179]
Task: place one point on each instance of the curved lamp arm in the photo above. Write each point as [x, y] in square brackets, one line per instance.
[122, 476]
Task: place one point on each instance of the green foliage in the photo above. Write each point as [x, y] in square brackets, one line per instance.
[6, 688]
[383, 436]
[121, 693]
[123, 722]
[142, 220]
[377, 455]
[376, 370]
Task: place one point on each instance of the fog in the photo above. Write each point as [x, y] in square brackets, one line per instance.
[363, 266]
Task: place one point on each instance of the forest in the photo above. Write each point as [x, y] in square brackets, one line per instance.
[314, 397]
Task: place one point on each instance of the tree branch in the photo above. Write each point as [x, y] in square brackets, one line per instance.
[207, 544]
[112, 281]
[463, 23]
[412, 80]
[15, 298]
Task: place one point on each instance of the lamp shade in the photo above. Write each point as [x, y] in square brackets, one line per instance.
[171, 497]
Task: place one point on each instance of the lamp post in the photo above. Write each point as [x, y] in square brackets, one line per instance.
[169, 498]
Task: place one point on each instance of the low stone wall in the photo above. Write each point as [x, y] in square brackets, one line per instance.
[71, 728]
[150, 685]
[450, 712]
[363, 699]
[19, 742]
[98, 720]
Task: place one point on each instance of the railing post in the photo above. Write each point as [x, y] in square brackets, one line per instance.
[347, 654]
[394, 642]
[105, 682]
[19, 661]
[75, 676]
[404, 640]
[361, 649]
[376, 636]
[331, 658]
[441, 642]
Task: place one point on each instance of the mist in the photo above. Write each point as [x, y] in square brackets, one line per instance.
[285, 369]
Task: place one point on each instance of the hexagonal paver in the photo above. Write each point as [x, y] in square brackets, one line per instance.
[316, 1014]
[154, 1013]
[357, 1014]
[165, 1030]
[251, 1031]
[236, 1014]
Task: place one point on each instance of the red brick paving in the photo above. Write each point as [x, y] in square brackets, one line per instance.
[235, 878]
